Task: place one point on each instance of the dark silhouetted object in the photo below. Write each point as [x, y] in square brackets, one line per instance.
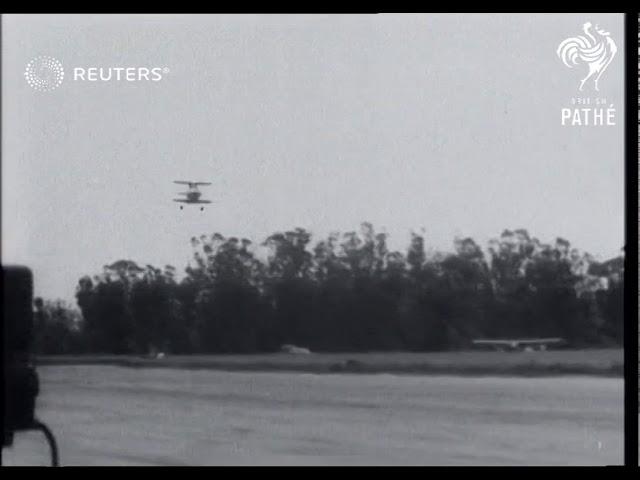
[20, 377]
[21, 380]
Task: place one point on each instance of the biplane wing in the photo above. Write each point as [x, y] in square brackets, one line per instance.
[185, 182]
[185, 200]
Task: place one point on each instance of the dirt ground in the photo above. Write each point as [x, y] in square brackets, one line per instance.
[107, 415]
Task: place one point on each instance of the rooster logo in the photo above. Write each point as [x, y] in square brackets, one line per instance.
[596, 51]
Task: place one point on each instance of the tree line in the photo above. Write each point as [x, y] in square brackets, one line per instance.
[346, 292]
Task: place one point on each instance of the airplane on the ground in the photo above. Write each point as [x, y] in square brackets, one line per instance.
[526, 344]
[193, 194]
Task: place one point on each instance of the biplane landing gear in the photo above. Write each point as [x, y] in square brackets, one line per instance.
[201, 209]
[181, 207]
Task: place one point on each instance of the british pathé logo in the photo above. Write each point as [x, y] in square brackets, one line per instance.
[593, 52]
[595, 49]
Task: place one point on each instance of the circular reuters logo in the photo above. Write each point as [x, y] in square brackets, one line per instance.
[44, 73]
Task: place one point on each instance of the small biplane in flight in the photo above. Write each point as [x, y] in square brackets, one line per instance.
[523, 344]
[193, 194]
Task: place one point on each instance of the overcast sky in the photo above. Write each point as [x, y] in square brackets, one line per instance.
[445, 122]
